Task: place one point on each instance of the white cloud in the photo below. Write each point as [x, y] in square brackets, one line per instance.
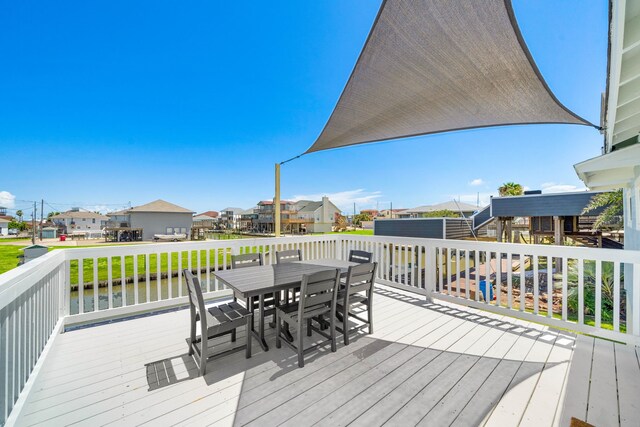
[7, 200]
[476, 182]
[552, 187]
[344, 200]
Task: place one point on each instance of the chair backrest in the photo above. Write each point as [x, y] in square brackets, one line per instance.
[195, 296]
[246, 260]
[288, 256]
[361, 257]
[319, 290]
[360, 278]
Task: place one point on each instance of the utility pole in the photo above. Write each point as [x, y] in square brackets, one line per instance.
[33, 224]
[41, 216]
[391, 209]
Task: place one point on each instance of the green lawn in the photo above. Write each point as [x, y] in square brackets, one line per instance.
[354, 232]
[9, 257]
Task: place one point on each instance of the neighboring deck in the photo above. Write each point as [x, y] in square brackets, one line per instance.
[426, 363]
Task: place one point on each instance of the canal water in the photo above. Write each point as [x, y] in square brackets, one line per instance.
[129, 292]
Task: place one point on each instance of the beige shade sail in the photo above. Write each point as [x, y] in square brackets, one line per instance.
[433, 66]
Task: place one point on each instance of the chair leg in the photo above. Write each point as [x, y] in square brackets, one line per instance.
[370, 318]
[300, 345]
[278, 342]
[345, 324]
[248, 344]
[233, 336]
[204, 349]
[309, 327]
[193, 333]
[332, 330]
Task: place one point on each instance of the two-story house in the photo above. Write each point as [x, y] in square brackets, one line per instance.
[80, 221]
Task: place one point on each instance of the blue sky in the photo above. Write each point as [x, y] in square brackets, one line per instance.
[110, 102]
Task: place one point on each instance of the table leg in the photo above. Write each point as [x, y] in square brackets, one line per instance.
[263, 342]
[259, 337]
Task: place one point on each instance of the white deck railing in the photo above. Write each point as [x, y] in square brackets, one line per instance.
[596, 291]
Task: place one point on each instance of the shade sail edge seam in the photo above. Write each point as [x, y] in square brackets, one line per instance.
[585, 123]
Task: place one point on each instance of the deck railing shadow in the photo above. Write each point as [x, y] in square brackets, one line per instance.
[267, 374]
[565, 339]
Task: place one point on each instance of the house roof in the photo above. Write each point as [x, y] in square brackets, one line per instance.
[234, 210]
[80, 214]
[120, 212]
[612, 170]
[623, 73]
[160, 206]
[450, 206]
[270, 202]
[310, 207]
[536, 205]
[212, 214]
[203, 217]
[34, 247]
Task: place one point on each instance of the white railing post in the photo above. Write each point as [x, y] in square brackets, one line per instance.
[633, 309]
[66, 288]
[430, 271]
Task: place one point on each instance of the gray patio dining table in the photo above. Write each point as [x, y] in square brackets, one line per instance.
[257, 282]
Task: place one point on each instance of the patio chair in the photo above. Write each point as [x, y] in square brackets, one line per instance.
[254, 260]
[283, 257]
[360, 278]
[318, 293]
[246, 260]
[361, 257]
[288, 256]
[214, 322]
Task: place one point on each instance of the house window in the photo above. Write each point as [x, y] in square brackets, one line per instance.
[93, 220]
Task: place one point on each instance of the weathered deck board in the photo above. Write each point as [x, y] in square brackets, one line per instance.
[437, 364]
[578, 381]
[603, 393]
[628, 374]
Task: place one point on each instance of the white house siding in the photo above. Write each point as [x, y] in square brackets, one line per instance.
[159, 223]
[81, 224]
[4, 227]
[323, 217]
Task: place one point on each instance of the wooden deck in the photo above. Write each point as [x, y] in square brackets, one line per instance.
[432, 364]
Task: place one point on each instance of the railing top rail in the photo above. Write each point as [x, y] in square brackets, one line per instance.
[14, 282]
[151, 248]
[629, 256]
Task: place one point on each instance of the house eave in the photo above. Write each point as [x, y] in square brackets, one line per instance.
[617, 169]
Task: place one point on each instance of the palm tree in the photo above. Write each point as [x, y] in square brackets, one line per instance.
[612, 203]
[510, 189]
[19, 214]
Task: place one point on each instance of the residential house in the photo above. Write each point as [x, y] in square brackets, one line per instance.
[205, 220]
[288, 221]
[230, 218]
[80, 221]
[158, 217]
[302, 216]
[318, 216]
[390, 213]
[4, 225]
